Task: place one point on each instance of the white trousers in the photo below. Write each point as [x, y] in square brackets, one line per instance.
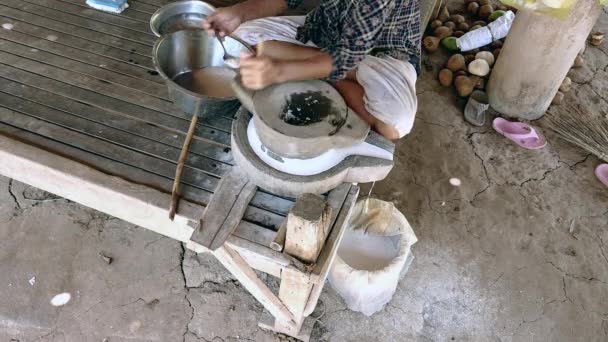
[389, 83]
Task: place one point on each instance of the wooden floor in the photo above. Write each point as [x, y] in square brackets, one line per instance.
[81, 83]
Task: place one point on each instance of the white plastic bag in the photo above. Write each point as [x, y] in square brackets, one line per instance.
[373, 252]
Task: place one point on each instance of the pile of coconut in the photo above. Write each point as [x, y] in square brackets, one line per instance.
[470, 70]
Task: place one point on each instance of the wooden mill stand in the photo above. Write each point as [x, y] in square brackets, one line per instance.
[84, 115]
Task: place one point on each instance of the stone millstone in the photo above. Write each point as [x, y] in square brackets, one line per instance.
[303, 119]
[354, 169]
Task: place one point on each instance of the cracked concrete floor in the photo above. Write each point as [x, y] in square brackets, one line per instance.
[495, 259]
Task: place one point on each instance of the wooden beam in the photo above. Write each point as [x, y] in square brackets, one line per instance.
[225, 210]
[247, 277]
[294, 292]
[115, 196]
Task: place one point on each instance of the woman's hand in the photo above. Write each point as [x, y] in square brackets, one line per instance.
[259, 72]
[224, 21]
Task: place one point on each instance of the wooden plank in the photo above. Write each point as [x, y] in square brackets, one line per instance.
[260, 263]
[225, 210]
[328, 254]
[84, 33]
[307, 227]
[106, 64]
[66, 18]
[69, 41]
[294, 292]
[254, 233]
[141, 7]
[120, 154]
[152, 3]
[247, 277]
[145, 87]
[117, 106]
[111, 119]
[103, 164]
[221, 126]
[89, 13]
[261, 200]
[114, 136]
[106, 148]
[134, 203]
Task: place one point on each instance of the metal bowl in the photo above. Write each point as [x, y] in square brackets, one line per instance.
[181, 55]
[181, 15]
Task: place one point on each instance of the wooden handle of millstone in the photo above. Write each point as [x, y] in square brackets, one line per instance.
[278, 242]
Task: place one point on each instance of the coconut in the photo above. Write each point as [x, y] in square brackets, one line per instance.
[475, 27]
[496, 44]
[578, 62]
[495, 15]
[442, 32]
[469, 58]
[480, 82]
[444, 14]
[464, 85]
[457, 18]
[463, 27]
[457, 34]
[496, 52]
[460, 73]
[479, 67]
[487, 56]
[485, 11]
[480, 23]
[450, 43]
[473, 8]
[557, 99]
[566, 85]
[484, 2]
[436, 23]
[450, 24]
[456, 62]
[445, 77]
[431, 44]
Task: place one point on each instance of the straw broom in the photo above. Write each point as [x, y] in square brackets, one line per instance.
[584, 129]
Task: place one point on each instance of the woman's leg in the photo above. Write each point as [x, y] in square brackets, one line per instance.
[353, 95]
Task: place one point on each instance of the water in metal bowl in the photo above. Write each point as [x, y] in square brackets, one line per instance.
[181, 15]
[192, 65]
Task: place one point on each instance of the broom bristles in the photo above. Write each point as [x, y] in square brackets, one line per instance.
[580, 127]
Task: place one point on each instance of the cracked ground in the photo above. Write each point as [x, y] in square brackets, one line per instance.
[518, 252]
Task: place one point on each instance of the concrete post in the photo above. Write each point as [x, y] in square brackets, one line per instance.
[536, 57]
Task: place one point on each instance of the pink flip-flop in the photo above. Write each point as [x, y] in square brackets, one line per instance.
[520, 133]
[601, 172]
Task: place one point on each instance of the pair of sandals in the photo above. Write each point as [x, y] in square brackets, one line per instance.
[520, 133]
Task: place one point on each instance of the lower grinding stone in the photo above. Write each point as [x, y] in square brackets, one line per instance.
[354, 169]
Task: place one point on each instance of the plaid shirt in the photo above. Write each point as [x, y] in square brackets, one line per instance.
[349, 30]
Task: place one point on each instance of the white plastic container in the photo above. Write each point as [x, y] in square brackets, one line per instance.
[374, 252]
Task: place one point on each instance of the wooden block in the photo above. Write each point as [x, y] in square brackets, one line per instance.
[225, 210]
[307, 227]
